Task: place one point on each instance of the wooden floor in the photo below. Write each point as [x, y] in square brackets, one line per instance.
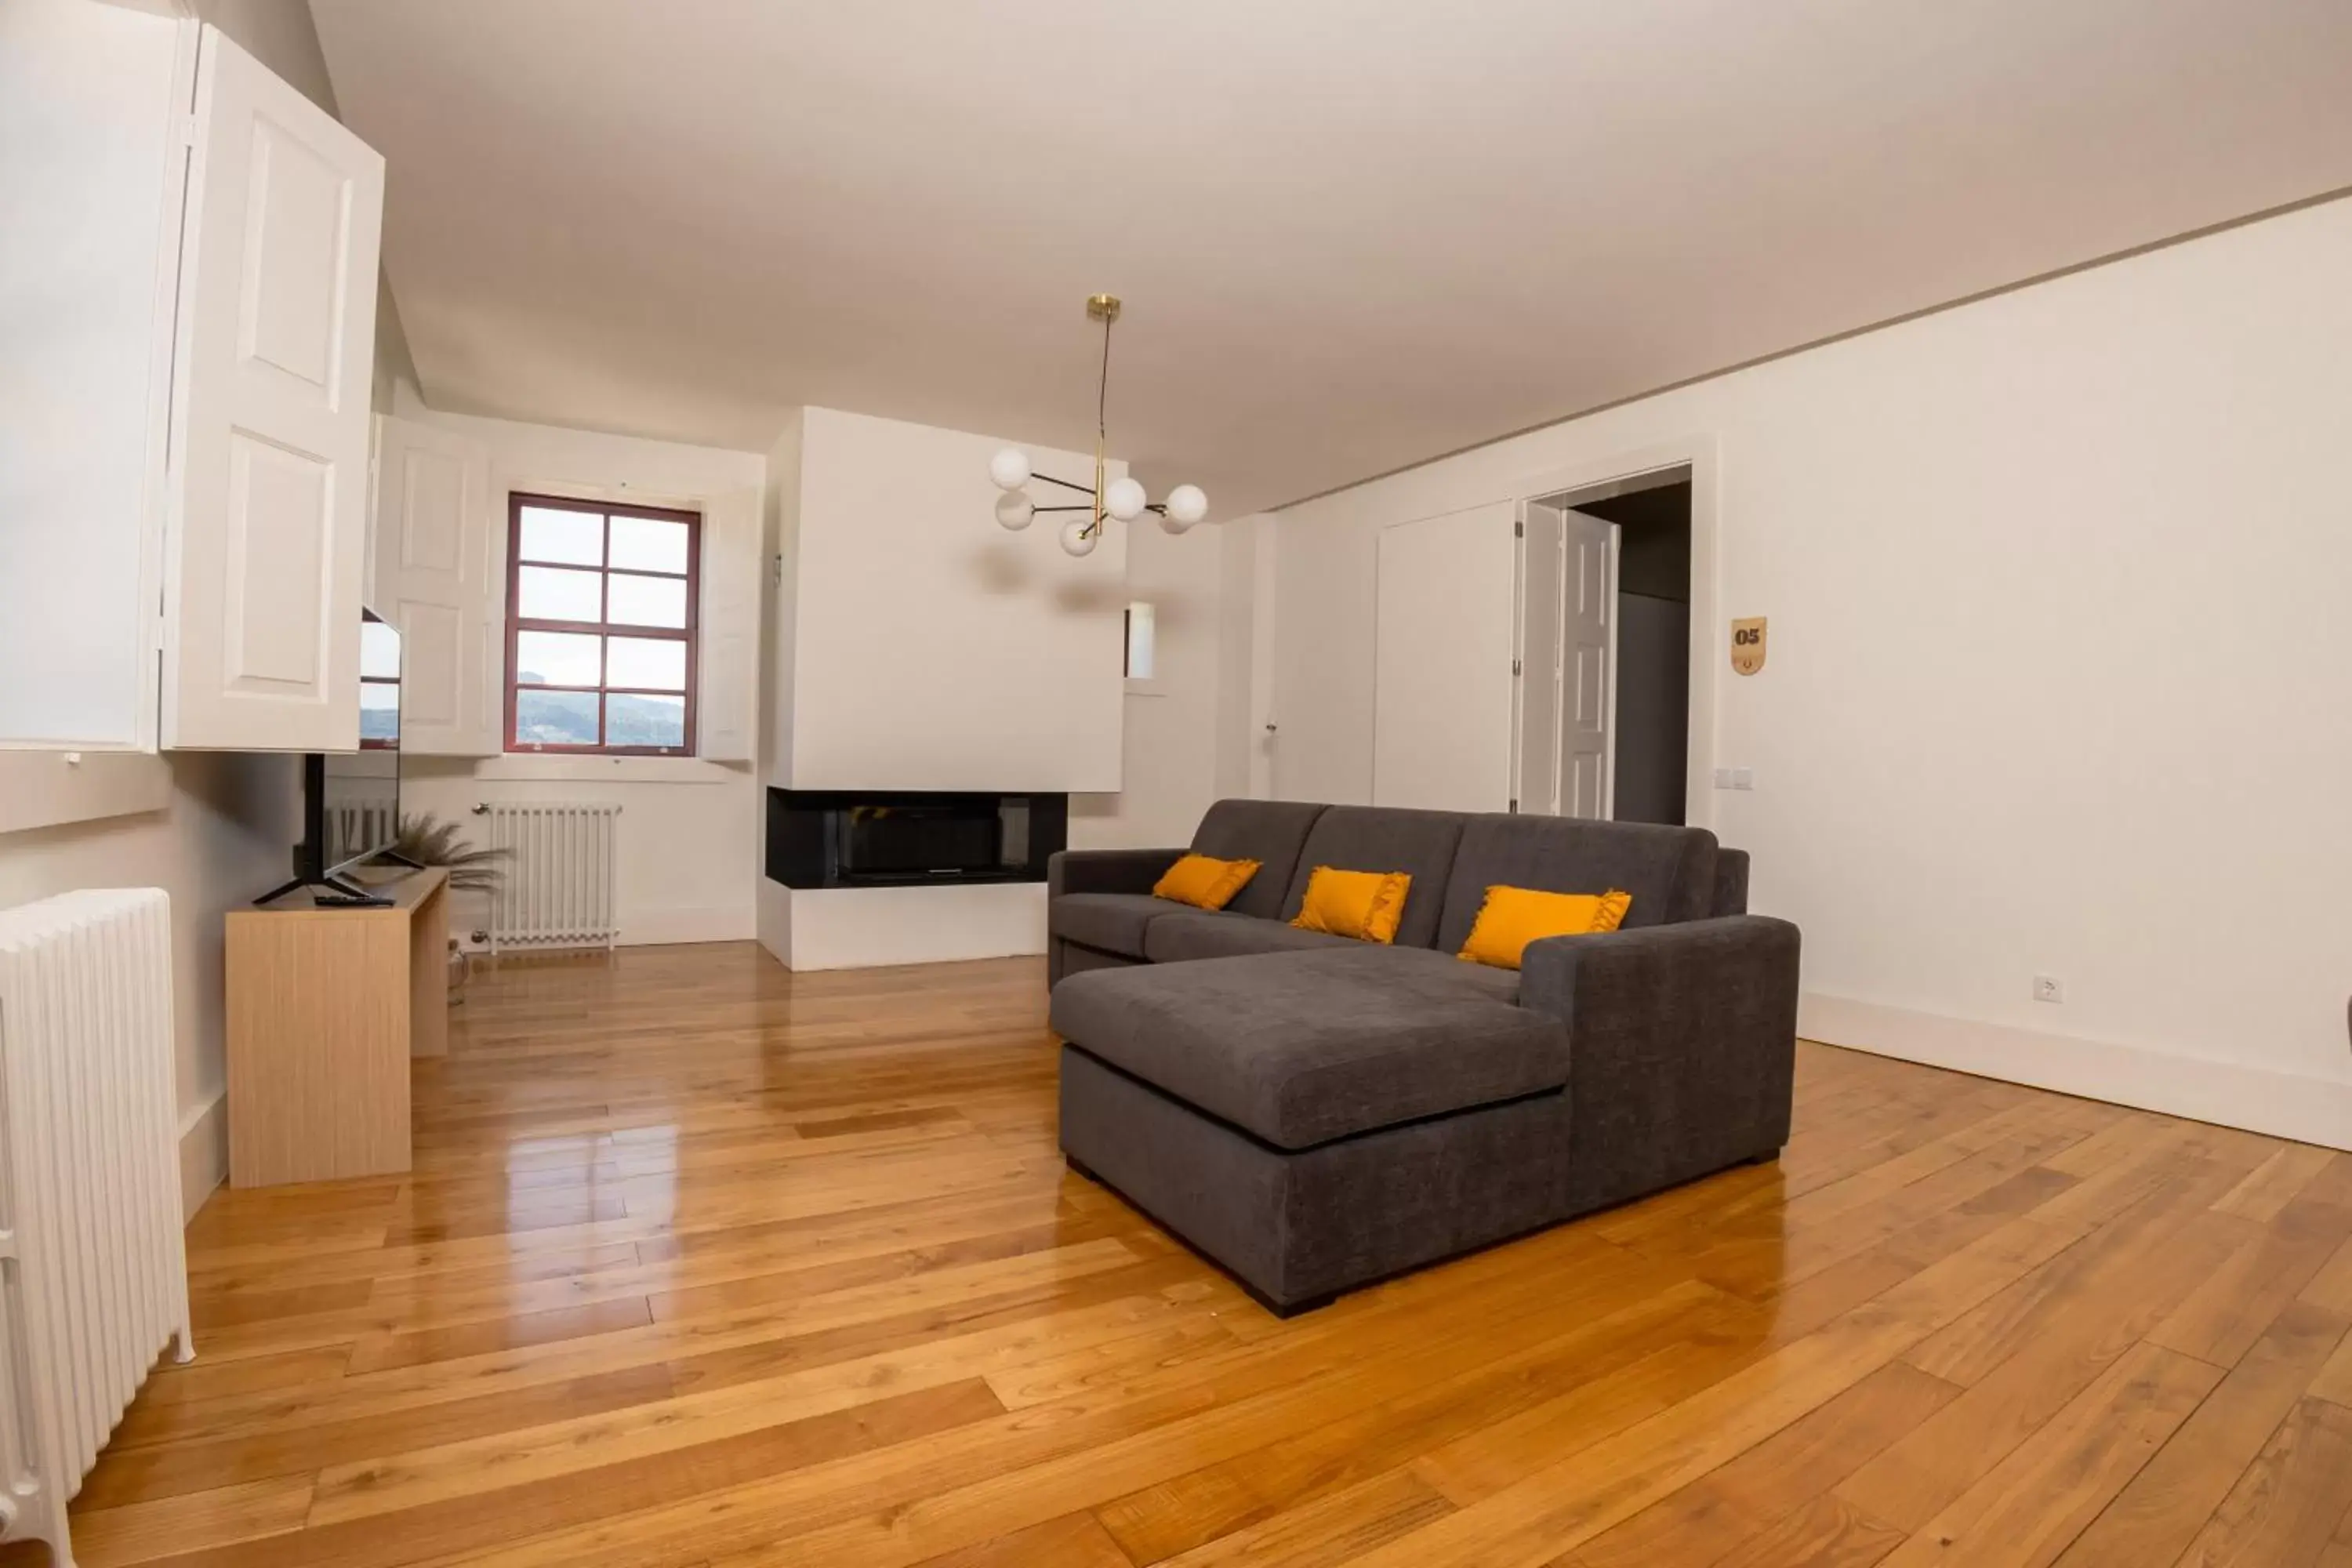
[706, 1263]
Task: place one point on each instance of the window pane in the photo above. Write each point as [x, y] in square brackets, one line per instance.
[646, 601]
[649, 545]
[577, 537]
[378, 711]
[379, 650]
[656, 662]
[645, 721]
[557, 658]
[552, 594]
[555, 718]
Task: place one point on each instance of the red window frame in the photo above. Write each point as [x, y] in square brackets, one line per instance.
[518, 623]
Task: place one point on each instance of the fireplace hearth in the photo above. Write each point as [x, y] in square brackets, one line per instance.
[896, 839]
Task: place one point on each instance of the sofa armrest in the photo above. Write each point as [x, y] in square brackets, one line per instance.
[1107, 870]
[1682, 1047]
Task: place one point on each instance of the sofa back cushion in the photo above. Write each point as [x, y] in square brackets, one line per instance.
[1267, 831]
[1384, 839]
[1731, 881]
[1669, 871]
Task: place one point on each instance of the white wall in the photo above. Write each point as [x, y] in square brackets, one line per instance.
[1168, 768]
[225, 837]
[931, 650]
[690, 828]
[2057, 680]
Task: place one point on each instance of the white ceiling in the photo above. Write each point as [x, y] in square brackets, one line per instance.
[1351, 234]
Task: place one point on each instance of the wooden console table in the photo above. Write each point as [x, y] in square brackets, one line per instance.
[326, 1007]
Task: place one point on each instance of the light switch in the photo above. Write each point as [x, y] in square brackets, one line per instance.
[1743, 778]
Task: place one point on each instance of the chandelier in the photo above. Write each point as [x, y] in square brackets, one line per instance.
[1122, 499]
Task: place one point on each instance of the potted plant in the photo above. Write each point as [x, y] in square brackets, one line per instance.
[427, 840]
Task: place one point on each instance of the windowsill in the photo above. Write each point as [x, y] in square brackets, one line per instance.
[1146, 688]
[523, 766]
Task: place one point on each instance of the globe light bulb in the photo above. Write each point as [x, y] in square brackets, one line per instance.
[1186, 506]
[1014, 510]
[1009, 468]
[1124, 499]
[1075, 540]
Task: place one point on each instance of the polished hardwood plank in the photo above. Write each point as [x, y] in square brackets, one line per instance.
[705, 1263]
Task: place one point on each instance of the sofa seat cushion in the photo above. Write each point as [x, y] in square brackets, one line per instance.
[1301, 1048]
[1187, 934]
[1450, 969]
[1112, 923]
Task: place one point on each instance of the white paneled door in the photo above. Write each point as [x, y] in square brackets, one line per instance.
[268, 466]
[1538, 668]
[1444, 638]
[440, 564]
[1586, 681]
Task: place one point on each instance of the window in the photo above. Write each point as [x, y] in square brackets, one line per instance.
[1141, 638]
[600, 627]
[379, 685]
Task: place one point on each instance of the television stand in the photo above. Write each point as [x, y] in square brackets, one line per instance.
[327, 1007]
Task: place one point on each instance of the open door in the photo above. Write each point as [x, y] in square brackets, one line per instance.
[1443, 696]
[266, 523]
[1587, 678]
[1537, 668]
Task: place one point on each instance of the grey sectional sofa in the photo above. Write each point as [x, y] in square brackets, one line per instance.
[1317, 1114]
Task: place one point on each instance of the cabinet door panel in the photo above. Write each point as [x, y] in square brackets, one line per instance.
[439, 578]
[268, 519]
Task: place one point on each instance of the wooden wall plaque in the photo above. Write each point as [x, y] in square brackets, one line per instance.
[1747, 645]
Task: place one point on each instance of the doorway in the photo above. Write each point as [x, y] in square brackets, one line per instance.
[1607, 735]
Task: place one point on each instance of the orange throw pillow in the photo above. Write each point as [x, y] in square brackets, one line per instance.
[1513, 917]
[1366, 905]
[1204, 881]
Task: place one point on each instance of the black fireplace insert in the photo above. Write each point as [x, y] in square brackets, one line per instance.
[879, 839]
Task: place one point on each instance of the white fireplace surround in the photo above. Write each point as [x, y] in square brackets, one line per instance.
[914, 644]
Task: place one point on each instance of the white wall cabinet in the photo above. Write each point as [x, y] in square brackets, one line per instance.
[228, 341]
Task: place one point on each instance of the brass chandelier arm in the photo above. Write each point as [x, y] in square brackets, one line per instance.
[1066, 484]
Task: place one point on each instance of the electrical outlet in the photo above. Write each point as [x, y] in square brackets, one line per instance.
[1743, 778]
[2049, 988]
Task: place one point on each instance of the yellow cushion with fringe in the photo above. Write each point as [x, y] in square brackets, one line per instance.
[1204, 881]
[1513, 917]
[1366, 905]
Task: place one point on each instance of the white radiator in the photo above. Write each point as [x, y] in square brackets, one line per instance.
[559, 875]
[93, 1269]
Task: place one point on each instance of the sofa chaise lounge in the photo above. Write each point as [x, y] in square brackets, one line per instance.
[1317, 1114]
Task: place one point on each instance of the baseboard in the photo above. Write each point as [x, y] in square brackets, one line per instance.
[203, 1153]
[659, 928]
[2284, 1105]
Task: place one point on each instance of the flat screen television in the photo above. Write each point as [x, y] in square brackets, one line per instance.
[351, 800]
